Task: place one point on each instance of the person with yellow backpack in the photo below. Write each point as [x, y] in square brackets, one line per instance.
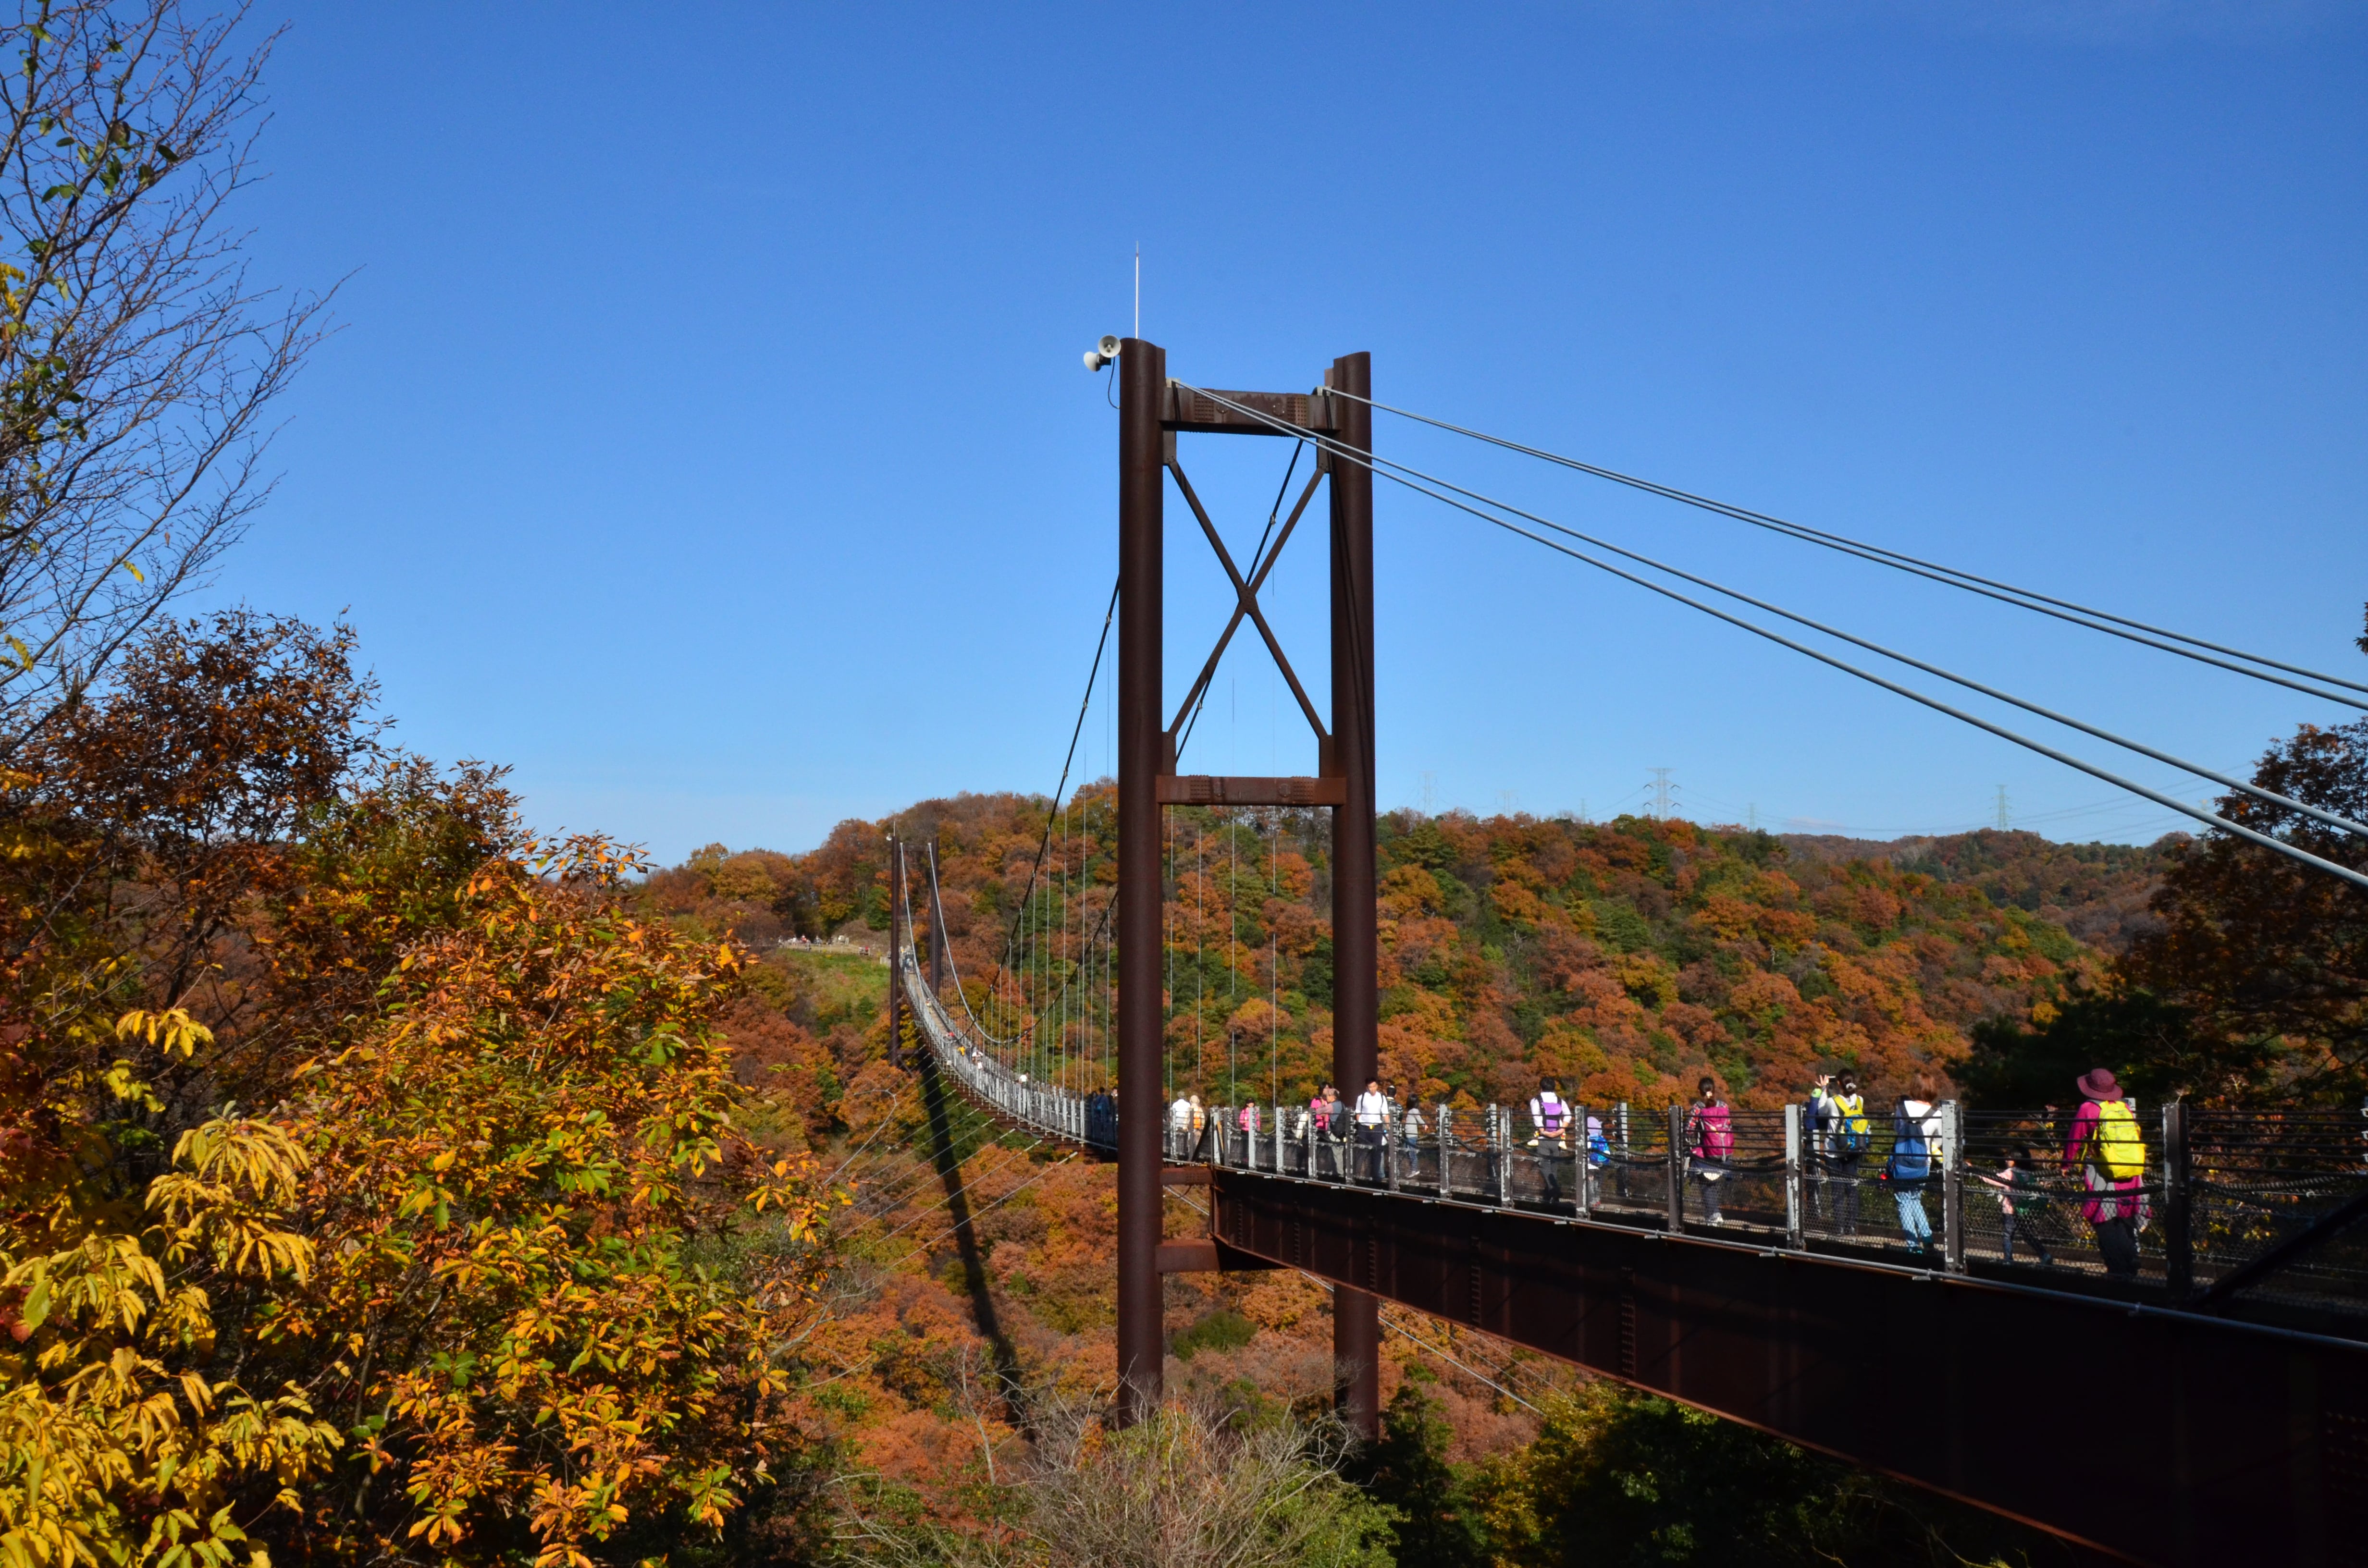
[2110, 1153]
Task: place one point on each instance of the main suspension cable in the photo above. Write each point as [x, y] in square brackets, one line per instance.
[1381, 467]
[1950, 576]
[2268, 797]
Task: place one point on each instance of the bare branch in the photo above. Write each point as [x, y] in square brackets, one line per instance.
[136, 359]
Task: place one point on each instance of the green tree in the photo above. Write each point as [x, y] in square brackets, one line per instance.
[1439, 1522]
[1618, 1477]
[2265, 953]
[2150, 1044]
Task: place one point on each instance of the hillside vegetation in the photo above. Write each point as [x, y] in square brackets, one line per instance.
[1624, 958]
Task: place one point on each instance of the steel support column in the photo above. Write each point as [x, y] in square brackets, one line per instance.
[1356, 1316]
[1142, 497]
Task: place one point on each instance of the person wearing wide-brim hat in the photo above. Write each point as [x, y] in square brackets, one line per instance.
[2108, 1150]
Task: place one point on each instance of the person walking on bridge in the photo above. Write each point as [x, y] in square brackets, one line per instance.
[1838, 1113]
[2107, 1150]
[1372, 1130]
[1709, 1139]
[1916, 1152]
[1549, 1124]
[1179, 1126]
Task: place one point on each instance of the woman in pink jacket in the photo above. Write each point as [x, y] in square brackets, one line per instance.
[2108, 1150]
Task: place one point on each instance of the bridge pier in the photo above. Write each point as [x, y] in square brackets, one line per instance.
[1142, 746]
[1356, 1316]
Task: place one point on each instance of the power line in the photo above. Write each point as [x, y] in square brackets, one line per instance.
[2253, 835]
[1950, 576]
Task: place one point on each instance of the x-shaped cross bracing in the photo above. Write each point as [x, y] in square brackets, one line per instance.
[1245, 603]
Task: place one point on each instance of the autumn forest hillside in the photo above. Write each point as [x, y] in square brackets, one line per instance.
[1624, 957]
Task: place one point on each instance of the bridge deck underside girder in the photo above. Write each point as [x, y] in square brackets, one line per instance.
[2166, 1438]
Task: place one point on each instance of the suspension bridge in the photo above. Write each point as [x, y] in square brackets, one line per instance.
[2213, 1407]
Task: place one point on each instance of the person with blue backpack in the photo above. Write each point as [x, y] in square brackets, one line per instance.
[1916, 1154]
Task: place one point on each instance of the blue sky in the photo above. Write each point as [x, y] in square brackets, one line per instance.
[707, 436]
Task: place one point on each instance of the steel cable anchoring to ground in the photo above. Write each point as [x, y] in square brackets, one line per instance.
[2253, 836]
[1949, 576]
[896, 1190]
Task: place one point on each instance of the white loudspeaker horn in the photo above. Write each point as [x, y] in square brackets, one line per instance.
[1103, 353]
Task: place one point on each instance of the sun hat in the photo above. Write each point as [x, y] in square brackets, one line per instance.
[2099, 1085]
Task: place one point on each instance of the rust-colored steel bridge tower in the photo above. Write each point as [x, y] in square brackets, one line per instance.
[1152, 412]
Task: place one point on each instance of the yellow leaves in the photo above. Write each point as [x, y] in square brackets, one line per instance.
[173, 1029]
[441, 1527]
[109, 1419]
[1735, 919]
[1764, 995]
[1518, 904]
[1647, 977]
[261, 1155]
[118, 1081]
[1409, 891]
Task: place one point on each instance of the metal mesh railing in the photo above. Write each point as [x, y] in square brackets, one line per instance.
[2259, 1181]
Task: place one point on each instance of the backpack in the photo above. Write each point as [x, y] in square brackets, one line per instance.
[1850, 1134]
[2116, 1148]
[1912, 1156]
[1550, 1113]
